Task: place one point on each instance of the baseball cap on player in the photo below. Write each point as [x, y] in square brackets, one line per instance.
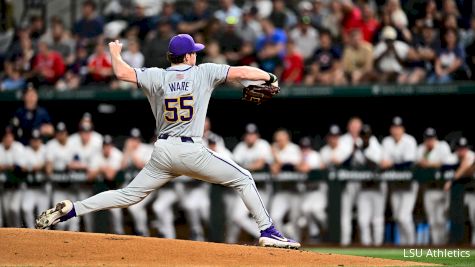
[430, 133]
[251, 128]
[306, 142]
[107, 140]
[35, 134]
[397, 121]
[462, 142]
[334, 130]
[183, 44]
[61, 127]
[135, 133]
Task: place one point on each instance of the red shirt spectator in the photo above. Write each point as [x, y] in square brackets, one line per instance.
[370, 24]
[352, 17]
[49, 65]
[100, 66]
[293, 66]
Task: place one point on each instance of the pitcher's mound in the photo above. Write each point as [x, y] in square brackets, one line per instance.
[58, 248]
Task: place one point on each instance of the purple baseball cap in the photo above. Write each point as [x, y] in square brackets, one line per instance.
[183, 44]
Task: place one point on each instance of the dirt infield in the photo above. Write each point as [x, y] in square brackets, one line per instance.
[57, 248]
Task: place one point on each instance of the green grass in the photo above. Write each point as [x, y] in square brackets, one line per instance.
[398, 254]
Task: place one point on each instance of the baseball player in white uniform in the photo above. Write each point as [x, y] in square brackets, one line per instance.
[466, 159]
[59, 154]
[371, 199]
[399, 152]
[36, 196]
[255, 155]
[95, 137]
[179, 97]
[434, 154]
[288, 195]
[105, 166]
[136, 154]
[11, 158]
[315, 198]
[84, 149]
[347, 143]
[334, 154]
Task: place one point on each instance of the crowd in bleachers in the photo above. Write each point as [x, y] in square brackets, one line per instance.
[305, 42]
[43, 162]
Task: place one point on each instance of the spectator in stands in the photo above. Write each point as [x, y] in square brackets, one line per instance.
[249, 28]
[270, 46]
[79, 67]
[263, 7]
[13, 79]
[370, 23]
[352, 17]
[293, 66]
[399, 19]
[48, 66]
[470, 50]
[332, 20]
[230, 42]
[59, 40]
[281, 16]
[431, 15]
[449, 61]
[213, 53]
[196, 19]
[133, 56]
[389, 56]
[248, 56]
[286, 154]
[24, 56]
[227, 9]
[305, 37]
[169, 13]
[90, 26]
[99, 64]
[357, 57]
[36, 27]
[426, 45]
[326, 66]
[31, 116]
[140, 22]
[155, 48]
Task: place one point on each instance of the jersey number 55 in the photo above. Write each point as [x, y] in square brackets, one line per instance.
[179, 108]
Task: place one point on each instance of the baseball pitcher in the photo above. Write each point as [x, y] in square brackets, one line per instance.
[179, 97]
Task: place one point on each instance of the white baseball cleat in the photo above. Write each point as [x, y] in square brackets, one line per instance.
[63, 211]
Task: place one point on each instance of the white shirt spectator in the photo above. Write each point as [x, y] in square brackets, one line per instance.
[34, 158]
[59, 155]
[389, 63]
[246, 156]
[439, 154]
[135, 60]
[305, 42]
[233, 11]
[290, 154]
[14, 156]
[114, 160]
[403, 151]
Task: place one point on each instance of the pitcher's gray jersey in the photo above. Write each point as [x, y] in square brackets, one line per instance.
[179, 95]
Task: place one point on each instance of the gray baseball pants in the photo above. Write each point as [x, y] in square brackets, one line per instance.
[171, 158]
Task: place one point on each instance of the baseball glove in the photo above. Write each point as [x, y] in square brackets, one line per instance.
[259, 93]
